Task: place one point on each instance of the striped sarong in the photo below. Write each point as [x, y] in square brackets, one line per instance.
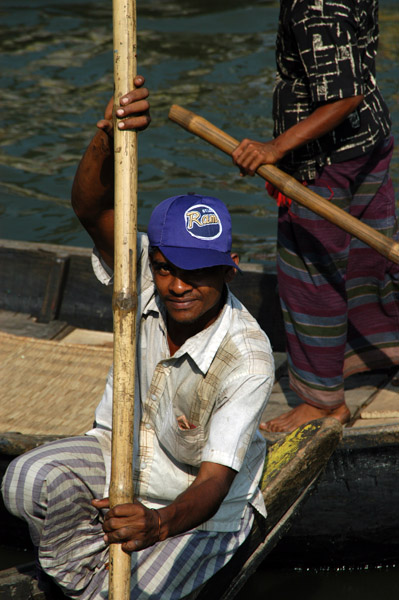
[51, 488]
[340, 298]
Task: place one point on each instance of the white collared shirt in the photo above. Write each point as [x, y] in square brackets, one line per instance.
[224, 412]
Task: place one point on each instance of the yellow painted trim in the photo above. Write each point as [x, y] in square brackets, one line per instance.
[282, 453]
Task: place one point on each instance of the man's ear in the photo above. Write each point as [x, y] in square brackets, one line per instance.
[231, 271]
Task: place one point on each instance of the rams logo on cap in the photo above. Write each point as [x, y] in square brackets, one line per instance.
[202, 222]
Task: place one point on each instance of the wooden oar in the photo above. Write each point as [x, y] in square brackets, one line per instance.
[125, 294]
[289, 186]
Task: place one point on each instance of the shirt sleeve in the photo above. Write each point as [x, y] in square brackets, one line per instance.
[327, 44]
[235, 423]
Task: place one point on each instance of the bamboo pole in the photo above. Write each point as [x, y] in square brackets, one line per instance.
[289, 186]
[124, 299]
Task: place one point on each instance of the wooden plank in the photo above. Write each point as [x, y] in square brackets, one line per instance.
[359, 389]
[385, 404]
[20, 583]
[14, 444]
[86, 302]
[18, 246]
[25, 268]
[22, 324]
[380, 422]
[54, 288]
[89, 337]
[24, 279]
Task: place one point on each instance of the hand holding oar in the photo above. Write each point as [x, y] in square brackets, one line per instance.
[289, 186]
[125, 294]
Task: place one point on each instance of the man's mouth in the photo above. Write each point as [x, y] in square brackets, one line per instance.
[180, 303]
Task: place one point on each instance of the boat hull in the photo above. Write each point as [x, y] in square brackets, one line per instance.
[351, 518]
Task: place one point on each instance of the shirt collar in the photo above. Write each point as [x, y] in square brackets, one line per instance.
[203, 346]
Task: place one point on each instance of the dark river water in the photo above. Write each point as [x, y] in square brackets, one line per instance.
[213, 57]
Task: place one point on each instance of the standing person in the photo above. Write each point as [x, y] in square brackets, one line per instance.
[340, 299]
[204, 374]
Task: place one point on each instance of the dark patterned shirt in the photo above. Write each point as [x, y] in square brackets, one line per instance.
[326, 51]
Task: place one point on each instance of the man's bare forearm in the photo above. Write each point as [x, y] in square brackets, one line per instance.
[138, 527]
[199, 502]
[92, 189]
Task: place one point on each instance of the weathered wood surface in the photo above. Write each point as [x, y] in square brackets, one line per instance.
[13, 443]
[80, 300]
[24, 324]
[385, 404]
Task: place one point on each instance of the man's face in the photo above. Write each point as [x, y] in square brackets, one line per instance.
[190, 296]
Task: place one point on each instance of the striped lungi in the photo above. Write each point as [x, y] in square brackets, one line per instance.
[51, 488]
[340, 298]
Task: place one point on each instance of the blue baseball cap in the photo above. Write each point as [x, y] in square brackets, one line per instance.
[192, 231]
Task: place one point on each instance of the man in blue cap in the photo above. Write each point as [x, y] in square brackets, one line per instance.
[204, 374]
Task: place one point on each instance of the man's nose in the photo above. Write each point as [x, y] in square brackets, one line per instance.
[179, 286]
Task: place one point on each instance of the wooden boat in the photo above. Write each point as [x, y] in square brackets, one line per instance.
[49, 293]
[45, 287]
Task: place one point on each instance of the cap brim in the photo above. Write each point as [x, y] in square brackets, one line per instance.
[192, 258]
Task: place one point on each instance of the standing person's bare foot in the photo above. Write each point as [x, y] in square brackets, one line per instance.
[303, 413]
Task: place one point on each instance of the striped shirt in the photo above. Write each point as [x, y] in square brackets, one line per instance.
[326, 51]
[219, 381]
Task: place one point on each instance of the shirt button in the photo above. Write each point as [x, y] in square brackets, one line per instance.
[153, 397]
[143, 466]
[147, 426]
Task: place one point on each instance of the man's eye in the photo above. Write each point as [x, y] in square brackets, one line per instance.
[162, 269]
